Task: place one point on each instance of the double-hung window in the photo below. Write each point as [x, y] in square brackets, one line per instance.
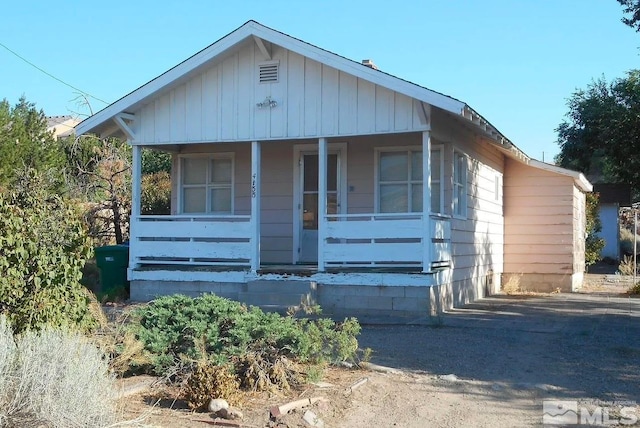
[207, 184]
[400, 181]
[459, 201]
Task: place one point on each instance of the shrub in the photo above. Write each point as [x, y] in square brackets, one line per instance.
[44, 247]
[627, 241]
[178, 329]
[54, 378]
[593, 244]
[156, 193]
[209, 381]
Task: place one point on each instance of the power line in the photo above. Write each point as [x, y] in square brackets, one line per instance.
[51, 75]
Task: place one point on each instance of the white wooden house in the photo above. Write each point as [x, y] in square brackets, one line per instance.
[298, 173]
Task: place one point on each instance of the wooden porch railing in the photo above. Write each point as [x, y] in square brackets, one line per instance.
[385, 240]
[191, 240]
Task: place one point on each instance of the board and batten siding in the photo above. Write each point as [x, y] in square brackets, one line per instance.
[277, 192]
[477, 239]
[219, 104]
[544, 229]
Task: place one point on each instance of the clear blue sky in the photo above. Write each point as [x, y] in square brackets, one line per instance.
[514, 61]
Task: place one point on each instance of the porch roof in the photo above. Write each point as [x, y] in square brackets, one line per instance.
[121, 110]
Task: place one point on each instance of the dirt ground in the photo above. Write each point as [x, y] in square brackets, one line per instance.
[489, 364]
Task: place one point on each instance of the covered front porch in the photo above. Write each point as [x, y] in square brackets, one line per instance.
[331, 235]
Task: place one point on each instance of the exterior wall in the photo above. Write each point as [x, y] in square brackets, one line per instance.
[544, 229]
[610, 232]
[277, 192]
[220, 103]
[477, 239]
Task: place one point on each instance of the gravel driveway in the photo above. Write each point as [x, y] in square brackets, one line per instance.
[582, 346]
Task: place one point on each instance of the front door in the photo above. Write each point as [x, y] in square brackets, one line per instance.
[308, 246]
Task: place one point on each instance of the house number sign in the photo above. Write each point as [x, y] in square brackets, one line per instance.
[254, 188]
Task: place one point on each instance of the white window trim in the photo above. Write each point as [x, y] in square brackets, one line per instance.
[455, 185]
[208, 157]
[376, 171]
[439, 148]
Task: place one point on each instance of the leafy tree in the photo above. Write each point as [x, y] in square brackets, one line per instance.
[156, 193]
[593, 243]
[602, 132]
[25, 142]
[104, 174]
[631, 8]
[154, 161]
[44, 247]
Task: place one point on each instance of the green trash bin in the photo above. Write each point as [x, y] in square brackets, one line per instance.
[112, 261]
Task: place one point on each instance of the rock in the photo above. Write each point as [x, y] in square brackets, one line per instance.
[312, 419]
[230, 413]
[450, 378]
[218, 404]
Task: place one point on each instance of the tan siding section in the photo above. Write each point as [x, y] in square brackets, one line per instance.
[541, 208]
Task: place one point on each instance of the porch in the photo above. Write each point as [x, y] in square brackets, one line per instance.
[329, 238]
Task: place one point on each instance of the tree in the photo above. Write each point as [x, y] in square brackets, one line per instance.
[44, 247]
[602, 132]
[593, 244]
[631, 8]
[104, 176]
[25, 142]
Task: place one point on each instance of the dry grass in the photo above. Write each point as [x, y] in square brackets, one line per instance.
[54, 378]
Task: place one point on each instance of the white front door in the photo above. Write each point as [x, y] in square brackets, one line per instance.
[308, 206]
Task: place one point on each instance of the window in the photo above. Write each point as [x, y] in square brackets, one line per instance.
[207, 184]
[400, 181]
[437, 190]
[459, 184]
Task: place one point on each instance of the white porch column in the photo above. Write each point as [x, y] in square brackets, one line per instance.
[426, 201]
[255, 205]
[136, 186]
[322, 200]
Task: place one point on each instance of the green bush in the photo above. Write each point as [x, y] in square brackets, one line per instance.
[593, 243]
[53, 378]
[179, 329]
[156, 193]
[44, 247]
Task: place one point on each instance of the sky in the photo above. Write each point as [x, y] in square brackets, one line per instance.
[516, 62]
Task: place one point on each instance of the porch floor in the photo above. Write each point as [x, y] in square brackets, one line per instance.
[281, 269]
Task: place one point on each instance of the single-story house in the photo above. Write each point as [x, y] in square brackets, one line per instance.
[300, 174]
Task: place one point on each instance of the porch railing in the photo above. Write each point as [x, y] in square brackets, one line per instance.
[191, 240]
[384, 240]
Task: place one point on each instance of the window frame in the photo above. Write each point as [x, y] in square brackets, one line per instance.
[459, 209]
[208, 185]
[408, 150]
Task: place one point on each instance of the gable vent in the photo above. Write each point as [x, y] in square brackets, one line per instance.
[268, 73]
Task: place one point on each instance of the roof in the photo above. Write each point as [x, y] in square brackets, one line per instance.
[61, 126]
[578, 178]
[614, 193]
[173, 76]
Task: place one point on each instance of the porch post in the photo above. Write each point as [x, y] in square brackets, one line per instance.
[322, 200]
[426, 202]
[136, 184]
[255, 205]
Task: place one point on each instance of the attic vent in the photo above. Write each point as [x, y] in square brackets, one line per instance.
[268, 72]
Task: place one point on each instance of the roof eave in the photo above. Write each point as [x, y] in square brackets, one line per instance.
[579, 179]
[253, 28]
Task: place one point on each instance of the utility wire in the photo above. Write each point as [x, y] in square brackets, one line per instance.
[51, 75]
